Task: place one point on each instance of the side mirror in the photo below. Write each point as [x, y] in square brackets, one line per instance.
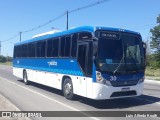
[144, 50]
[95, 47]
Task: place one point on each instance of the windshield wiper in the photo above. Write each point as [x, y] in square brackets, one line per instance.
[134, 63]
[122, 59]
[118, 65]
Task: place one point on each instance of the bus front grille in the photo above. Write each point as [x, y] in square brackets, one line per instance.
[124, 83]
[123, 93]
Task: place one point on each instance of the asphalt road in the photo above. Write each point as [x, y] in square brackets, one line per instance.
[35, 97]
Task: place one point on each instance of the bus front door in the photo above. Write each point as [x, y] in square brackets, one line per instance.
[82, 60]
[82, 56]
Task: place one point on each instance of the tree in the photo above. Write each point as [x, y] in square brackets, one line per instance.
[155, 42]
[9, 59]
[2, 58]
[154, 59]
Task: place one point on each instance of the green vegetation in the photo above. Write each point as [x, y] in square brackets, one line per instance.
[152, 72]
[155, 42]
[6, 63]
[153, 60]
[153, 65]
[5, 60]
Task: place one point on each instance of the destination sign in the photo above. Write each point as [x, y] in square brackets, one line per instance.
[109, 35]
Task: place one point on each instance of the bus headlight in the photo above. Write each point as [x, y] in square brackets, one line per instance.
[101, 80]
[99, 77]
[141, 80]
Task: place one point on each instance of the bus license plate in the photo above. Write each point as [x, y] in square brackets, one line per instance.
[125, 89]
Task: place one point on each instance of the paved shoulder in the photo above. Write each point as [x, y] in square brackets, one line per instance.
[7, 105]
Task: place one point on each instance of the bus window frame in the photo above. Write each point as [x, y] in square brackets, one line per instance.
[53, 39]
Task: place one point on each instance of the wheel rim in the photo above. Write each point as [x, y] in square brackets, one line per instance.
[25, 78]
[68, 88]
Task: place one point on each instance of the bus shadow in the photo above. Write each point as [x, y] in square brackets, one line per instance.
[46, 88]
[121, 103]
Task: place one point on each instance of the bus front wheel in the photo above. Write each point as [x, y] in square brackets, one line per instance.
[68, 89]
[25, 78]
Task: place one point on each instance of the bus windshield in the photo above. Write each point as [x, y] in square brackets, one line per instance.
[120, 55]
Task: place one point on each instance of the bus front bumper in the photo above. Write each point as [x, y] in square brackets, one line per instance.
[101, 92]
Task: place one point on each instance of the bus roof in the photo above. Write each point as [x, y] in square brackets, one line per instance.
[75, 30]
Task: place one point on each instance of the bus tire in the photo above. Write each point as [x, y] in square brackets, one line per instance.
[68, 89]
[25, 78]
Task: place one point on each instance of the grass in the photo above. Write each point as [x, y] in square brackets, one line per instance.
[157, 79]
[152, 72]
[6, 63]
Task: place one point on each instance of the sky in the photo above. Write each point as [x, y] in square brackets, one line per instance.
[22, 15]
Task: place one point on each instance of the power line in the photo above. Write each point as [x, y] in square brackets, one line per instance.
[88, 6]
[26, 31]
[143, 26]
[10, 38]
[44, 23]
[84, 7]
[6, 41]
[65, 13]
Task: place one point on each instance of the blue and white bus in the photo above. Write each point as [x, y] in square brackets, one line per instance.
[93, 62]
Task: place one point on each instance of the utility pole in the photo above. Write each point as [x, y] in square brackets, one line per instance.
[20, 33]
[67, 19]
[0, 47]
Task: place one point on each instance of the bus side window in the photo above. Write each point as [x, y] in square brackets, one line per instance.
[15, 51]
[90, 59]
[74, 45]
[52, 47]
[24, 50]
[19, 51]
[55, 48]
[31, 49]
[38, 49]
[41, 49]
[49, 47]
[67, 46]
[62, 39]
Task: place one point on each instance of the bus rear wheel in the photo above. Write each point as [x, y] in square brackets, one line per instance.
[68, 89]
[25, 78]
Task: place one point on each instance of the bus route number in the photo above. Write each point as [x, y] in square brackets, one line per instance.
[113, 78]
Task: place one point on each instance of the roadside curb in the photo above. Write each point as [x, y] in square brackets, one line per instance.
[7, 105]
[152, 77]
[151, 81]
